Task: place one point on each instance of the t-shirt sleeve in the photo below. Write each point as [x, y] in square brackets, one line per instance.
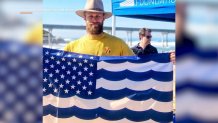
[66, 48]
[69, 46]
[126, 51]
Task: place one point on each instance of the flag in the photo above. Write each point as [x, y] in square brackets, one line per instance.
[83, 88]
[20, 83]
[197, 87]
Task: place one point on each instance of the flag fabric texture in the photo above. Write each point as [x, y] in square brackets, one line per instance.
[20, 83]
[95, 89]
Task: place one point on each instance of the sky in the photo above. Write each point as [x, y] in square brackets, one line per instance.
[63, 12]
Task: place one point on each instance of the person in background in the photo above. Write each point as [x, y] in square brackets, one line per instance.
[144, 47]
[185, 43]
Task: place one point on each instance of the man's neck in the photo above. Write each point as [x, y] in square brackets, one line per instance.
[95, 36]
[143, 46]
[88, 33]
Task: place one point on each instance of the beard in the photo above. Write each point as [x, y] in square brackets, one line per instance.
[94, 28]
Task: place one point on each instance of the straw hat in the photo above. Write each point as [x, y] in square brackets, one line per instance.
[94, 6]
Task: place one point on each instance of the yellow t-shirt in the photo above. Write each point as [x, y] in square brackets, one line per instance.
[100, 45]
[35, 35]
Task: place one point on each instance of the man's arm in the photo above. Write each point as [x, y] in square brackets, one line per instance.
[137, 51]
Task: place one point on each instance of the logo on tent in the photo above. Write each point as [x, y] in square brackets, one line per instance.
[127, 3]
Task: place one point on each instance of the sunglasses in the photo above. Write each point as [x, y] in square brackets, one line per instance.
[148, 37]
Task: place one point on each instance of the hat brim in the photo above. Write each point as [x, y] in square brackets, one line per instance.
[81, 13]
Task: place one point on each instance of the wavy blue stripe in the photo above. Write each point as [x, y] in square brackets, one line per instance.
[119, 94]
[202, 88]
[160, 58]
[135, 76]
[208, 54]
[89, 114]
[211, 54]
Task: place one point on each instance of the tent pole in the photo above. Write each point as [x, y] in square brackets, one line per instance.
[167, 40]
[162, 35]
[113, 25]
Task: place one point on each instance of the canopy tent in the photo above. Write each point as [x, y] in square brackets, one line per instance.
[161, 10]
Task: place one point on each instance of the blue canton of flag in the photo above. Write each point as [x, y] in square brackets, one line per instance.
[20, 83]
[73, 74]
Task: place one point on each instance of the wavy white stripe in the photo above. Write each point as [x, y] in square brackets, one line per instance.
[151, 65]
[197, 70]
[107, 104]
[51, 119]
[138, 86]
[197, 104]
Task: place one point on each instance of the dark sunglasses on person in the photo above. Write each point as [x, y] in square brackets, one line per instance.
[148, 37]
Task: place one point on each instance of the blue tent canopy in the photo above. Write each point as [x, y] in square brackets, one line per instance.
[161, 10]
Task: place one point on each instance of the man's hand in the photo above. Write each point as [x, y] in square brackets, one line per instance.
[173, 57]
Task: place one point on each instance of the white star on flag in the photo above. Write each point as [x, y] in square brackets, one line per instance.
[74, 60]
[58, 54]
[79, 73]
[61, 85]
[91, 65]
[55, 90]
[52, 66]
[46, 52]
[68, 72]
[67, 81]
[89, 93]
[50, 85]
[90, 82]
[74, 67]
[50, 75]
[85, 69]
[66, 91]
[80, 56]
[78, 92]
[52, 57]
[73, 77]
[84, 87]
[46, 61]
[63, 59]
[45, 80]
[90, 74]
[69, 63]
[80, 64]
[79, 82]
[56, 80]
[85, 61]
[62, 76]
[58, 62]
[85, 78]
[63, 67]
[57, 71]
[44, 90]
[73, 87]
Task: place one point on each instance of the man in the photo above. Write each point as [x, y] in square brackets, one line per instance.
[96, 42]
[184, 42]
[144, 47]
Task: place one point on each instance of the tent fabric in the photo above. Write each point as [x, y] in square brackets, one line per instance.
[161, 10]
